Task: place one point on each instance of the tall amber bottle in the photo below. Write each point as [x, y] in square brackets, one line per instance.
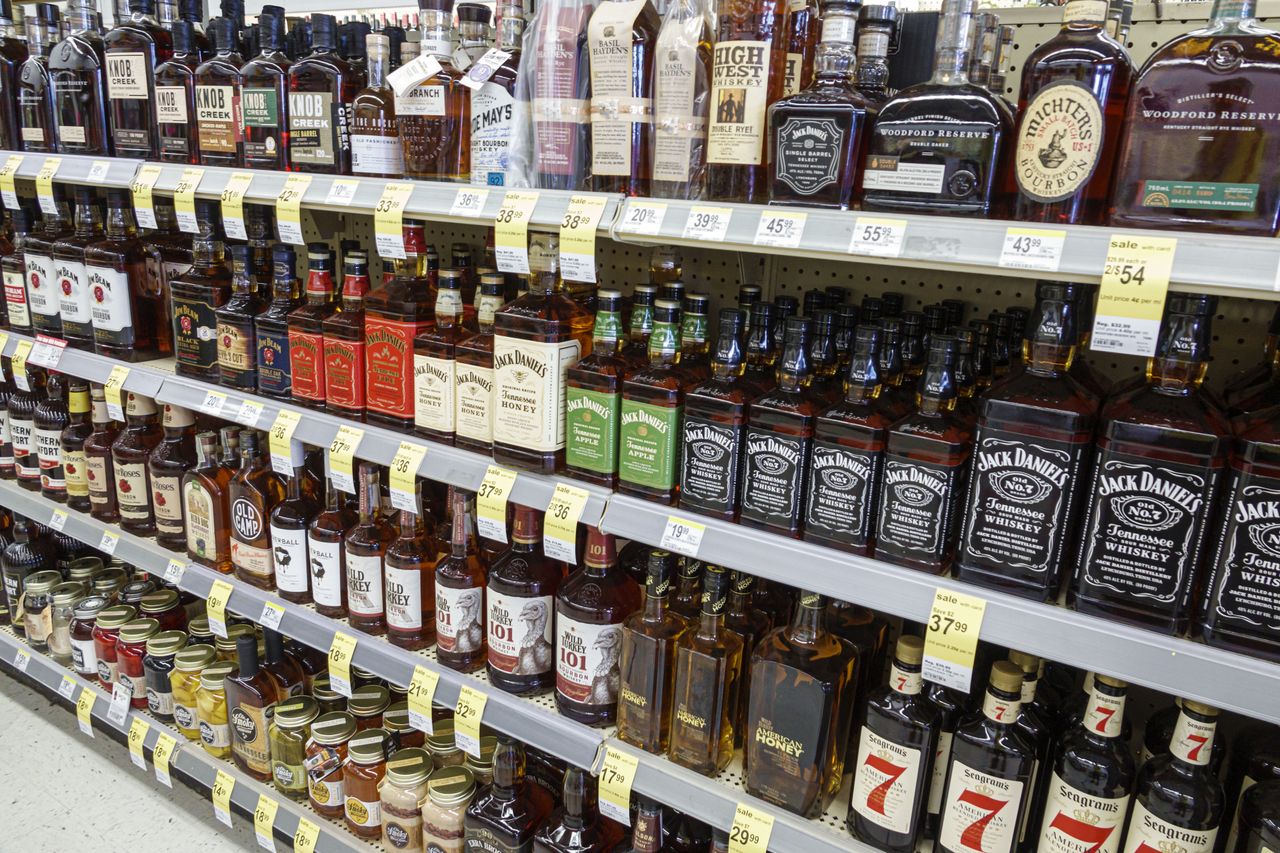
[251, 698]
[289, 522]
[326, 537]
[207, 507]
[75, 464]
[168, 463]
[254, 491]
[435, 363]
[647, 666]
[621, 39]
[100, 465]
[520, 607]
[306, 329]
[365, 546]
[130, 453]
[130, 315]
[474, 393]
[395, 313]
[460, 589]
[410, 564]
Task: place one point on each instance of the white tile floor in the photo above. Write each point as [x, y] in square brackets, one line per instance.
[84, 795]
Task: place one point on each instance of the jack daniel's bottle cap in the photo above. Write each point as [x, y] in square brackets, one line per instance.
[864, 367]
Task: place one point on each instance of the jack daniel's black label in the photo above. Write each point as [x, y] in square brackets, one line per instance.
[809, 153]
[844, 488]
[918, 507]
[710, 464]
[1246, 572]
[774, 478]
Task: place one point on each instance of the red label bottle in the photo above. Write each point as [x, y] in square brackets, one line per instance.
[306, 334]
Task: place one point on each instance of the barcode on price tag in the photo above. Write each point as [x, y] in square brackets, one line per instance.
[174, 571]
[121, 696]
[341, 652]
[491, 503]
[272, 614]
[682, 536]
[84, 710]
[213, 402]
[264, 819]
[18, 364]
[404, 475]
[511, 231]
[249, 413]
[44, 185]
[142, 187]
[233, 205]
[341, 193]
[782, 229]
[467, 715]
[21, 660]
[8, 189]
[342, 451]
[286, 454]
[47, 352]
[643, 217]
[873, 235]
[216, 607]
[223, 784]
[1135, 284]
[951, 639]
[707, 223]
[1033, 248]
[184, 200]
[113, 389]
[578, 237]
[160, 755]
[289, 209]
[388, 220]
[107, 544]
[469, 202]
[137, 740]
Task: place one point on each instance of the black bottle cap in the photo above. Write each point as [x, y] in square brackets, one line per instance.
[864, 364]
[21, 219]
[275, 645]
[658, 571]
[142, 7]
[837, 295]
[1195, 304]
[117, 196]
[608, 301]
[847, 316]
[241, 258]
[644, 294]
[223, 32]
[885, 16]
[935, 318]
[824, 321]
[813, 300]
[666, 311]
[271, 28]
[912, 323]
[436, 5]
[324, 28]
[191, 11]
[715, 590]
[748, 295]
[493, 284]
[233, 9]
[732, 320]
[872, 308]
[356, 31]
[696, 303]
[942, 349]
[788, 306]
[284, 261]
[476, 13]
[673, 291]
[48, 13]
[955, 311]
[451, 278]
[184, 35]
[742, 583]
[247, 653]
[893, 303]
[207, 211]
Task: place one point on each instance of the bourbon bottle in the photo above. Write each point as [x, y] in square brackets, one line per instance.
[365, 546]
[168, 463]
[345, 342]
[237, 349]
[289, 521]
[75, 464]
[271, 327]
[219, 92]
[326, 536]
[435, 369]
[460, 589]
[75, 299]
[650, 415]
[17, 307]
[593, 398]
[521, 601]
[196, 295]
[37, 257]
[557, 64]
[506, 814]
[36, 110]
[78, 69]
[49, 419]
[129, 313]
[647, 668]
[434, 117]
[576, 826]
[134, 49]
[321, 88]
[264, 100]
[621, 38]
[206, 506]
[21, 408]
[493, 101]
[410, 582]
[13, 52]
[175, 105]
[254, 491]
[130, 453]
[474, 393]
[97, 451]
[306, 329]
[375, 142]
[681, 102]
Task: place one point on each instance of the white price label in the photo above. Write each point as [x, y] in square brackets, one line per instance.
[342, 192]
[249, 413]
[121, 696]
[213, 402]
[469, 202]
[781, 229]
[47, 352]
[1032, 249]
[707, 223]
[98, 171]
[59, 520]
[107, 544]
[484, 67]
[880, 237]
[682, 536]
[67, 689]
[644, 217]
[174, 571]
[272, 614]
[21, 659]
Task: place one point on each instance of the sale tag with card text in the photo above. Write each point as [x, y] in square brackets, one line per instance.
[578, 237]
[216, 607]
[8, 187]
[511, 231]
[341, 652]
[422, 692]
[1135, 283]
[467, 715]
[44, 185]
[616, 777]
[286, 454]
[342, 451]
[184, 200]
[289, 209]
[144, 184]
[750, 831]
[560, 522]
[491, 503]
[404, 475]
[951, 638]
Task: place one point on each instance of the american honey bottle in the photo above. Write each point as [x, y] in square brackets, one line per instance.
[435, 366]
[647, 670]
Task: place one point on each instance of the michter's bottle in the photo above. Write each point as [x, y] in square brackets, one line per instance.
[1161, 450]
[989, 773]
[1178, 800]
[1025, 483]
[652, 406]
[593, 398]
[620, 39]
[888, 801]
[648, 667]
[1092, 778]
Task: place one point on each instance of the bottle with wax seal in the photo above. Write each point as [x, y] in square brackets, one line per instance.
[196, 294]
[321, 88]
[521, 601]
[306, 329]
[176, 99]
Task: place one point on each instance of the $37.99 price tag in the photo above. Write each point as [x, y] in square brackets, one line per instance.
[491, 503]
[616, 777]
[873, 235]
[951, 638]
[782, 229]
[1135, 283]
[342, 450]
[750, 831]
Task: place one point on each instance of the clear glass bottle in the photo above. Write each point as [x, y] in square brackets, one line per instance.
[621, 40]
[493, 102]
[647, 667]
[134, 49]
[36, 112]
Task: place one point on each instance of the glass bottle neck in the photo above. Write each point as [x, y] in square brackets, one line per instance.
[807, 622]
[205, 251]
[437, 34]
[951, 68]
[88, 221]
[120, 222]
[377, 71]
[510, 32]
[1231, 11]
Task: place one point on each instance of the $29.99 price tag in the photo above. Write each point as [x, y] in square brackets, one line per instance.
[750, 831]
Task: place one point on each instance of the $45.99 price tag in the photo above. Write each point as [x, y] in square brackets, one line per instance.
[873, 235]
[1033, 249]
[781, 228]
[616, 777]
[951, 638]
[750, 831]
[1135, 282]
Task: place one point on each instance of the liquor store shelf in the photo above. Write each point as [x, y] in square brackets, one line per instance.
[933, 242]
[188, 762]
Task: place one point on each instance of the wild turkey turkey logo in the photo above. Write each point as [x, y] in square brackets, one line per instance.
[470, 632]
[604, 681]
[536, 654]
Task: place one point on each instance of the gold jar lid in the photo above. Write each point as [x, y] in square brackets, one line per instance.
[68, 592]
[158, 602]
[358, 674]
[368, 746]
[369, 701]
[38, 582]
[450, 786]
[396, 717]
[441, 741]
[333, 728]
[322, 691]
[296, 712]
[234, 632]
[488, 746]
[137, 590]
[1006, 676]
[215, 674]
[116, 615]
[1029, 664]
[139, 630]
[200, 627]
[84, 568]
[409, 767]
[194, 658]
[165, 643]
[109, 580]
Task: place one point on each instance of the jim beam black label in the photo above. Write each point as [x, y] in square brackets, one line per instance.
[844, 486]
[711, 464]
[774, 478]
[919, 505]
[1246, 570]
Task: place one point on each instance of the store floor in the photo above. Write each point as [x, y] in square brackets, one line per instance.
[86, 795]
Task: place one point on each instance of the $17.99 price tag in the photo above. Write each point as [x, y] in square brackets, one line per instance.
[951, 638]
[1135, 283]
[616, 777]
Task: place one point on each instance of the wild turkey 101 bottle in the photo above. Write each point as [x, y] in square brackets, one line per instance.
[521, 601]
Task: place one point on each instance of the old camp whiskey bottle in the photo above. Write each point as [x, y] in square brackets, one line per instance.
[254, 491]
[1092, 778]
[375, 142]
[321, 86]
[521, 602]
[747, 71]
[474, 392]
[799, 713]
[1075, 87]
[75, 299]
[891, 777]
[537, 337]
[264, 99]
[557, 66]
[289, 521]
[493, 101]
[130, 453]
[410, 568]
[237, 349]
[35, 84]
[49, 419]
[134, 49]
[168, 463]
[271, 327]
[652, 407]
[219, 117]
[681, 88]
[196, 294]
[97, 451]
[1177, 798]
[306, 329]
[434, 362]
[593, 398]
[396, 313]
[715, 425]
[75, 464]
[345, 342]
[13, 52]
[926, 460]
[365, 546]
[989, 773]
[207, 508]
[1160, 453]
[460, 591]
[175, 105]
[620, 41]
[77, 66]
[128, 312]
[251, 697]
[1033, 430]
[647, 669]
[328, 563]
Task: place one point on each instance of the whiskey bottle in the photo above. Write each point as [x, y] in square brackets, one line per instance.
[271, 327]
[817, 136]
[206, 506]
[747, 74]
[29, 393]
[989, 772]
[460, 591]
[75, 466]
[558, 95]
[128, 314]
[779, 441]
[196, 295]
[77, 67]
[306, 330]
[375, 141]
[799, 713]
[708, 678]
[593, 398]
[42, 285]
[1177, 798]
[751, 624]
[804, 22]
[130, 453]
[621, 37]
[649, 430]
[265, 96]
[135, 48]
[237, 348]
[681, 102]
[695, 344]
[899, 739]
[168, 464]
[289, 521]
[1257, 830]
[344, 342]
[17, 309]
[590, 609]
[1259, 375]
[7, 467]
[849, 453]
[435, 373]
[13, 52]
[686, 598]
[952, 136]
[365, 545]
[251, 697]
[36, 112]
[537, 338]
[74, 297]
[321, 87]
[326, 536]
[434, 116]
[493, 100]
[876, 27]
[1092, 777]
[506, 814]
[1036, 429]
[715, 425]
[254, 491]
[1163, 445]
[474, 392]
[521, 601]
[576, 826]
[175, 105]
[100, 468]
[396, 313]
[762, 354]
[282, 667]
[927, 457]
[1174, 166]
[1039, 732]
[1075, 88]
[647, 668]
[640, 326]
[49, 419]
[219, 86]
[410, 582]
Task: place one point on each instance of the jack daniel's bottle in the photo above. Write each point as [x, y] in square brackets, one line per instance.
[1161, 450]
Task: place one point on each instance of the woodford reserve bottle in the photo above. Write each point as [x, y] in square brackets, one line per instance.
[681, 100]
[537, 337]
[648, 664]
[460, 591]
[321, 88]
[1160, 455]
[649, 421]
[254, 491]
[1026, 478]
[748, 66]
[474, 393]
[798, 718]
[306, 329]
[1178, 800]
[620, 42]
[130, 452]
[889, 798]
[1092, 778]
[206, 506]
[134, 49]
[989, 772]
[593, 398]
[78, 68]
[590, 609]
[521, 602]
[365, 545]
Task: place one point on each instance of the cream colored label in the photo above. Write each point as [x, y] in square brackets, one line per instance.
[136, 685]
[364, 813]
[676, 128]
[614, 110]
[1060, 138]
[459, 619]
[791, 74]
[434, 380]
[1245, 785]
[981, 811]
[100, 484]
[127, 76]
[132, 493]
[250, 725]
[422, 100]
[906, 682]
[326, 793]
[521, 633]
[71, 133]
[473, 403]
[1084, 10]
[1075, 821]
[404, 598]
[529, 391]
[364, 584]
[1105, 714]
[171, 105]
[250, 558]
[200, 533]
[739, 98]
[166, 498]
[326, 571]
[1148, 832]
[1000, 710]
[290, 553]
[1192, 740]
[885, 781]
[75, 466]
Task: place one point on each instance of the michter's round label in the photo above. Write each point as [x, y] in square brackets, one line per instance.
[1060, 140]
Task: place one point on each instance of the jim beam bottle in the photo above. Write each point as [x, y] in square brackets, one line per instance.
[1178, 801]
[899, 739]
[989, 772]
[1092, 778]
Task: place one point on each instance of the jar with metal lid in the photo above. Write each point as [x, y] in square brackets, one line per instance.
[482, 767]
[165, 607]
[290, 731]
[157, 667]
[401, 793]
[366, 765]
[211, 709]
[184, 682]
[133, 592]
[226, 646]
[199, 633]
[84, 660]
[449, 792]
[330, 700]
[362, 677]
[37, 607]
[106, 631]
[84, 569]
[398, 694]
[109, 582]
[65, 596]
[367, 704]
[131, 648]
[403, 736]
[444, 751]
[326, 760]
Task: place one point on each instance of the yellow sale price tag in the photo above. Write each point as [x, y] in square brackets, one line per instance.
[216, 607]
[341, 451]
[578, 237]
[951, 638]
[491, 502]
[114, 392]
[388, 220]
[289, 209]
[422, 693]
[341, 652]
[137, 739]
[4, 340]
[233, 204]
[280, 438]
[560, 523]
[160, 755]
[8, 187]
[223, 784]
[44, 185]
[304, 839]
[750, 831]
[264, 819]
[616, 776]
[184, 199]
[18, 364]
[1135, 282]
[404, 475]
[84, 710]
[143, 184]
[467, 715]
[511, 231]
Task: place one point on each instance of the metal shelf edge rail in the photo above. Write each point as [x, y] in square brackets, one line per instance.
[188, 760]
[517, 717]
[1178, 666]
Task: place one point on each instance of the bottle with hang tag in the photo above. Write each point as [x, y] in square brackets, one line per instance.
[206, 507]
[375, 138]
[492, 102]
